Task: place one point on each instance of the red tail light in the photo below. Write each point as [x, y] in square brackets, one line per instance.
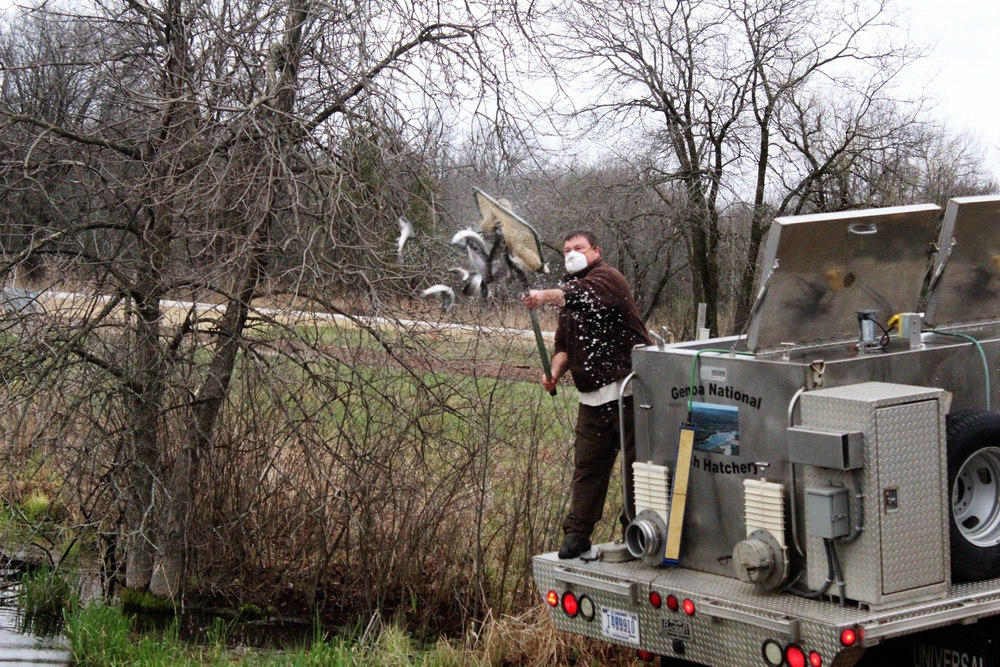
[570, 604]
[689, 607]
[794, 656]
[849, 637]
[645, 656]
[673, 604]
[655, 599]
[815, 660]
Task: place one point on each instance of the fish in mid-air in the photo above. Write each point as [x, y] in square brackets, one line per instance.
[405, 234]
[447, 296]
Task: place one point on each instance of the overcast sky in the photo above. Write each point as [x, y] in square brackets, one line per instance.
[963, 72]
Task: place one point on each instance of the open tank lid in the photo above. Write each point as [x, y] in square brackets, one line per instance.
[820, 270]
[965, 283]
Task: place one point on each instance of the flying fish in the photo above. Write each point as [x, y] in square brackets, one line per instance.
[405, 233]
[447, 296]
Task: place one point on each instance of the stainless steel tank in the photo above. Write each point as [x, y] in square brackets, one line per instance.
[804, 335]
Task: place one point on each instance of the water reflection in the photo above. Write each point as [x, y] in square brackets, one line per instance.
[40, 640]
[45, 646]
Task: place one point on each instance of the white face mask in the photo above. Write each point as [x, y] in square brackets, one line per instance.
[576, 261]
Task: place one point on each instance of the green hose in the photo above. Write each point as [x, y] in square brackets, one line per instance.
[982, 355]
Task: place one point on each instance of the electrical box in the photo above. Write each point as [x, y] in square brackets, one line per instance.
[902, 554]
[826, 512]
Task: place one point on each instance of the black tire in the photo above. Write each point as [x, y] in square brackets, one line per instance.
[974, 494]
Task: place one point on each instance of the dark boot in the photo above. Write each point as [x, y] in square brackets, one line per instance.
[574, 545]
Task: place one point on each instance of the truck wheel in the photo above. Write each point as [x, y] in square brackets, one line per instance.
[974, 492]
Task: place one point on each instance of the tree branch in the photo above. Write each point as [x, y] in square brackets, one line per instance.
[86, 139]
[430, 34]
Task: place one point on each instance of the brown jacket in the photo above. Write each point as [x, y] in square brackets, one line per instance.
[599, 326]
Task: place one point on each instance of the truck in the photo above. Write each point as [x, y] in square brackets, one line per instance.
[824, 487]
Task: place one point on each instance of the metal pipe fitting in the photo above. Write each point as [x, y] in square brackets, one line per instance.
[643, 539]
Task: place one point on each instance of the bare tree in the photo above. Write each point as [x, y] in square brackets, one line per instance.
[713, 81]
[212, 144]
[795, 48]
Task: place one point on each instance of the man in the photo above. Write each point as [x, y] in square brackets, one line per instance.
[599, 324]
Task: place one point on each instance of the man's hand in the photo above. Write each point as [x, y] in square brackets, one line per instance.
[531, 300]
[560, 364]
[537, 298]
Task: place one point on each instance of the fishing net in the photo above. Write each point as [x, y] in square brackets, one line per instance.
[521, 239]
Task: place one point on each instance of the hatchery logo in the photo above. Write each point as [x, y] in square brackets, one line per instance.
[719, 391]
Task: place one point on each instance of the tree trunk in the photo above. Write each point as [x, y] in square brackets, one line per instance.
[170, 570]
[704, 254]
[146, 386]
[745, 297]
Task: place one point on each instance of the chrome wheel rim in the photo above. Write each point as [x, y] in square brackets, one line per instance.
[975, 498]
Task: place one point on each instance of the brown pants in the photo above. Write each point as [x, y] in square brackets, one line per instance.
[596, 447]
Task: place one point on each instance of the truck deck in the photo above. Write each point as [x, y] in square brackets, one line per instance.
[729, 613]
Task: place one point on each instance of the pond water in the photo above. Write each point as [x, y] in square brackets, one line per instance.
[40, 647]
[45, 645]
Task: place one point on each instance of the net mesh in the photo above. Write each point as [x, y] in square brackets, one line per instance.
[521, 239]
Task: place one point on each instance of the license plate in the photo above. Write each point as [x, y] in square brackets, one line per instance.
[620, 625]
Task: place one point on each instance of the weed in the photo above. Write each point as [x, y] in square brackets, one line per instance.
[36, 506]
[143, 601]
[250, 612]
[103, 635]
[46, 592]
[99, 635]
[339, 478]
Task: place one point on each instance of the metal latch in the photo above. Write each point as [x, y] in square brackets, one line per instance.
[817, 367]
[890, 498]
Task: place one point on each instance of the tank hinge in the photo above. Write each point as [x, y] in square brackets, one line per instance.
[817, 367]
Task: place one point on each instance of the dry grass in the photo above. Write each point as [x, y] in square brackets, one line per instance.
[410, 479]
[530, 639]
